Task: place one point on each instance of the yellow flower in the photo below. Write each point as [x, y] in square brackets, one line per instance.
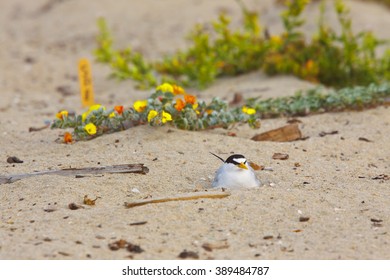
[96, 107]
[276, 40]
[165, 87]
[140, 105]
[90, 128]
[84, 116]
[91, 109]
[62, 114]
[151, 115]
[111, 115]
[166, 117]
[175, 62]
[249, 111]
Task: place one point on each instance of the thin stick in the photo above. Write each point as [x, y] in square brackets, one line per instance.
[186, 196]
[121, 168]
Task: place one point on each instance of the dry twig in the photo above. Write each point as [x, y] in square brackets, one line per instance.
[121, 168]
[186, 196]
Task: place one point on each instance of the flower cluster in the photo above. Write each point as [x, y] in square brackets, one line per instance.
[170, 104]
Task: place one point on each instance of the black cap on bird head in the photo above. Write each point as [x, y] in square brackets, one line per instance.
[236, 159]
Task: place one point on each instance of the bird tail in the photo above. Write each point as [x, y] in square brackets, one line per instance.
[217, 156]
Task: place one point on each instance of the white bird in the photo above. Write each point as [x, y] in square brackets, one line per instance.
[235, 172]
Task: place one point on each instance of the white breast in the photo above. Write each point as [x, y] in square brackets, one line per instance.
[231, 176]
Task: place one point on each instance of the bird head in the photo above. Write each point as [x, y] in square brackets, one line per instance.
[238, 160]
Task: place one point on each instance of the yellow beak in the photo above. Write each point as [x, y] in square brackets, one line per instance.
[242, 165]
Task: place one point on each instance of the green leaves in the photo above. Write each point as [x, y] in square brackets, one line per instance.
[104, 53]
[126, 64]
[167, 108]
[229, 53]
[167, 105]
[320, 100]
[291, 17]
[329, 58]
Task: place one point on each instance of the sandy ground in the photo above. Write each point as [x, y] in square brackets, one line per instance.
[337, 184]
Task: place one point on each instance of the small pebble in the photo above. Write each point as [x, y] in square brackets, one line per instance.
[14, 160]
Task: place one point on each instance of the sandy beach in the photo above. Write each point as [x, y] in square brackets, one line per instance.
[328, 200]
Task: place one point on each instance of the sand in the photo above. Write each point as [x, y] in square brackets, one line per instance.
[328, 200]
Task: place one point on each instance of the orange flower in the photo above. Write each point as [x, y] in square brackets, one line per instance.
[179, 104]
[220, 64]
[177, 90]
[119, 109]
[68, 138]
[309, 65]
[62, 114]
[190, 99]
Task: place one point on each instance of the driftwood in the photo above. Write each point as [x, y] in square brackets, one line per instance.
[286, 133]
[186, 196]
[121, 168]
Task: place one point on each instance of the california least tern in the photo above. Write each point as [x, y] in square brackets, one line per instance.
[235, 172]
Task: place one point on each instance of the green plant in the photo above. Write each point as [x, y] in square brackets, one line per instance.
[229, 53]
[126, 64]
[329, 58]
[337, 60]
[169, 104]
[320, 100]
